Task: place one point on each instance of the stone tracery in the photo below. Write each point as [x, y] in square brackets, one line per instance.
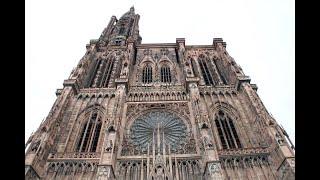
[144, 128]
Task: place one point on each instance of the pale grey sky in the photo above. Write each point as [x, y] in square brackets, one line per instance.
[259, 36]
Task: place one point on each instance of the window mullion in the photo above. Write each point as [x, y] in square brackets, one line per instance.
[150, 80]
[147, 74]
[161, 74]
[96, 135]
[223, 132]
[207, 72]
[165, 75]
[93, 132]
[203, 72]
[85, 132]
[210, 73]
[227, 133]
[108, 74]
[169, 73]
[144, 75]
[231, 132]
[147, 80]
[167, 69]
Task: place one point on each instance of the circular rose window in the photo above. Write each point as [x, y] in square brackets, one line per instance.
[150, 128]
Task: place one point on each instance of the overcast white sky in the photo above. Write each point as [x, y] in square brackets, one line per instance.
[259, 36]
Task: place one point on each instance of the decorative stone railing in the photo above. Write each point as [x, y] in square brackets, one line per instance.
[78, 155]
[96, 92]
[156, 89]
[217, 89]
[166, 93]
[244, 158]
[243, 152]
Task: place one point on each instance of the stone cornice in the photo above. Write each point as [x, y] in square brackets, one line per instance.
[217, 89]
[210, 47]
[97, 92]
[72, 83]
[74, 156]
[157, 45]
[240, 80]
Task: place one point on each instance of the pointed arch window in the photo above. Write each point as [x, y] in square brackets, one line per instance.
[195, 72]
[103, 73]
[147, 74]
[99, 61]
[89, 136]
[107, 74]
[207, 76]
[227, 133]
[165, 74]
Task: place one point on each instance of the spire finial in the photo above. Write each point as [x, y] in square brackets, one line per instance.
[132, 9]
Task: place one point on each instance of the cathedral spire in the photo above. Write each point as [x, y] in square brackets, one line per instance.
[125, 28]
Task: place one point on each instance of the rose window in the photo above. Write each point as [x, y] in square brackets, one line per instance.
[152, 127]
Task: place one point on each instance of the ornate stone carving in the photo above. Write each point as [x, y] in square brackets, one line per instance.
[179, 107]
[279, 139]
[104, 173]
[214, 167]
[74, 155]
[108, 146]
[147, 52]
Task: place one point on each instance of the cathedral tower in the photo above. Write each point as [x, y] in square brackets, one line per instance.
[133, 111]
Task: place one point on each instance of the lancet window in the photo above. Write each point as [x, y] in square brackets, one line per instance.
[147, 74]
[103, 73]
[165, 74]
[227, 133]
[206, 73]
[89, 136]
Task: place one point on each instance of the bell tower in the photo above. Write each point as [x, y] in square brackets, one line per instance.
[162, 111]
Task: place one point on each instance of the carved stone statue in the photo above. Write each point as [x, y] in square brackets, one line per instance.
[125, 69]
[109, 146]
[279, 139]
[208, 144]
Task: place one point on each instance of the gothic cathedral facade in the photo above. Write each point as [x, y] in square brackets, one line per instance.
[166, 111]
